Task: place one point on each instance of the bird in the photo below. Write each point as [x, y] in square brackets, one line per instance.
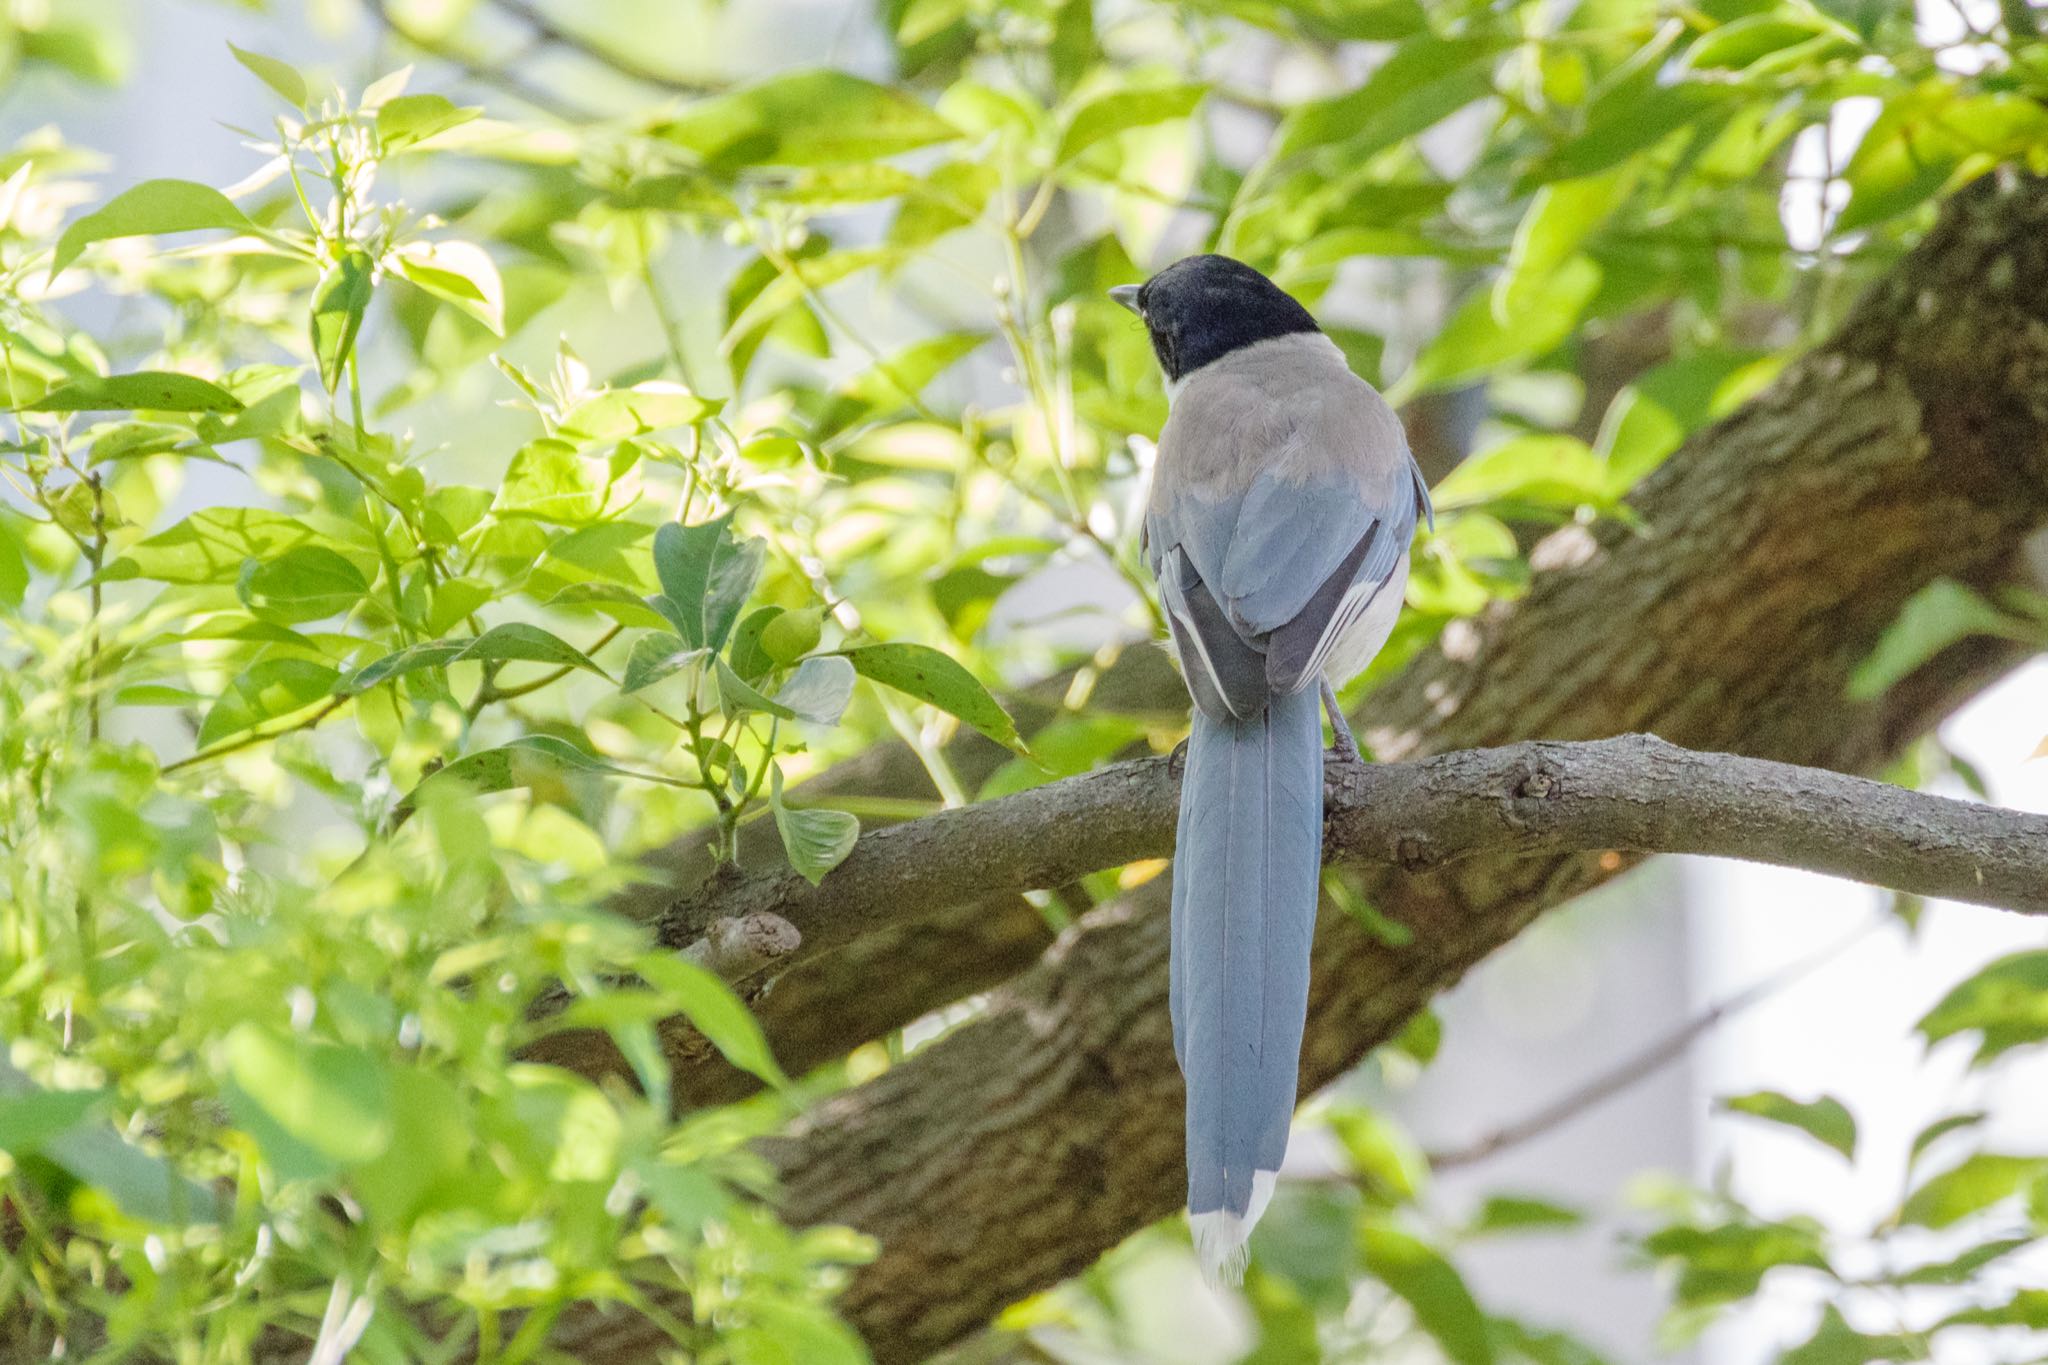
[1278, 528]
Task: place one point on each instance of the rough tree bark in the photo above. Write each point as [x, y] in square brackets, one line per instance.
[1776, 547]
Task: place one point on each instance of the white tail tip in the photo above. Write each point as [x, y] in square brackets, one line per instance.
[1222, 1238]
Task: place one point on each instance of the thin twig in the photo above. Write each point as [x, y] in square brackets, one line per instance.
[254, 737]
[484, 73]
[548, 28]
[1652, 1059]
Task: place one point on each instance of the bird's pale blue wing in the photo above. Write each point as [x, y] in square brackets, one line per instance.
[1308, 558]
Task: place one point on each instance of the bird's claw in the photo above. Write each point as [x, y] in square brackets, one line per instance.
[1177, 761]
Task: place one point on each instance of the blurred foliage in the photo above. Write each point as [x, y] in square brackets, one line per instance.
[490, 485]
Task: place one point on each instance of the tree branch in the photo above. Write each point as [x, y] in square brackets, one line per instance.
[1634, 794]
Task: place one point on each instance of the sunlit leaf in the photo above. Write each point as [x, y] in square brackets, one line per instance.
[461, 273]
[1442, 1304]
[1824, 1119]
[410, 119]
[155, 391]
[1520, 1213]
[1934, 618]
[805, 118]
[266, 691]
[153, 207]
[929, 676]
[2005, 1003]
[338, 307]
[1981, 1180]
[1121, 110]
[618, 413]
[1477, 340]
[282, 77]
[537, 761]
[330, 1099]
[305, 583]
[718, 1014]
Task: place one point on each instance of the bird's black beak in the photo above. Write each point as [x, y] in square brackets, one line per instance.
[1127, 295]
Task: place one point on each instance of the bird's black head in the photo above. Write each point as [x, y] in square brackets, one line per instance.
[1204, 307]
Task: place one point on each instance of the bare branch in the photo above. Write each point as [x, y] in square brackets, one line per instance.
[546, 27]
[1635, 794]
[1642, 1065]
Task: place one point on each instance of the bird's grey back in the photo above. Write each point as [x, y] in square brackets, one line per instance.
[1289, 405]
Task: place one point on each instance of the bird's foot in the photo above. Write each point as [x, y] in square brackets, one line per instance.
[1177, 761]
[1343, 745]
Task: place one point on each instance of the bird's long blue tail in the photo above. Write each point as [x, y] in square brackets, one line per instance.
[1245, 879]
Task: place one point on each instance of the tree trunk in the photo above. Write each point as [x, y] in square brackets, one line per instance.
[1776, 548]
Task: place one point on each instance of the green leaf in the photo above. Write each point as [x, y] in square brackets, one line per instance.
[787, 636]
[1443, 1306]
[549, 480]
[145, 390]
[1939, 615]
[932, 677]
[1928, 137]
[333, 1100]
[13, 567]
[1513, 1213]
[1979, 1182]
[1939, 1129]
[210, 547]
[537, 761]
[1477, 340]
[432, 1142]
[706, 577]
[1824, 1119]
[805, 118]
[282, 77]
[1618, 128]
[1390, 1167]
[1547, 471]
[2006, 1003]
[735, 697]
[305, 583]
[412, 119]
[411, 659]
[819, 690]
[815, 840]
[657, 656]
[461, 273]
[789, 1331]
[1735, 45]
[898, 380]
[1726, 1263]
[616, 414]
[1558, 221]
[2026, 1308]
[517, 641]
[1122, 110]
[1656, 412]
[1964, 1266]
[266, 691]
[144, 1186]
[1423, 81]
[1835, 1342]
[155, 206]
[338, 307]
[750, 658]
[717, 1013]
[30, 1118]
